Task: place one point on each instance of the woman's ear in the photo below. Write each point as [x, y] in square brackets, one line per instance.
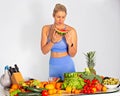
[53, 15]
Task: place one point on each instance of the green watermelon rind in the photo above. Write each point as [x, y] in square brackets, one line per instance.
[61, 32]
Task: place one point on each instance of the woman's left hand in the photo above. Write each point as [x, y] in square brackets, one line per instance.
[68, 38]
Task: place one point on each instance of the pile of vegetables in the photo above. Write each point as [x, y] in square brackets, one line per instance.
[77, 79]
[73, 80]
[87, 82]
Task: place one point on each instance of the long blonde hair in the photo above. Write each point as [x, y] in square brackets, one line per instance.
[59, 7]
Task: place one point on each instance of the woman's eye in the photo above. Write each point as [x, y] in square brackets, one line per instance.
[61, 17]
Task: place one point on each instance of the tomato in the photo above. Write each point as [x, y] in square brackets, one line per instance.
[44, 93]
[98, 86]
[85, 87]
[88, 81]
[95, 81]
[85, 80]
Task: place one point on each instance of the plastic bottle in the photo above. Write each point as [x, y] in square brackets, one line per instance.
[5, 79]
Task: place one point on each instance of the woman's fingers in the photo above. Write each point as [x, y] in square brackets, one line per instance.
[68, 35]
[56, 37]
[68, 38]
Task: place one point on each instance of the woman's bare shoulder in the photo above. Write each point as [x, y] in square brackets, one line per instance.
[45, 27]
[70, 28]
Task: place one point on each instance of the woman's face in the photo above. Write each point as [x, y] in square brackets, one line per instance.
[60, 17]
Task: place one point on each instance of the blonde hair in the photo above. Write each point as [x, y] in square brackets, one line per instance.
[59, 7]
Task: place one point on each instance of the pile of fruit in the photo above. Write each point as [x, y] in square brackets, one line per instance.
[35, 88]
[87, 82]
[73, 84]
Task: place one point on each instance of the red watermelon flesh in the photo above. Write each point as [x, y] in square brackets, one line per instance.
[61, 31]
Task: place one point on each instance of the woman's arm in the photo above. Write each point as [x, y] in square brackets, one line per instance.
[45, 45]
[71, 39]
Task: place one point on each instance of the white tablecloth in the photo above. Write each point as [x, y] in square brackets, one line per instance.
[5, 93]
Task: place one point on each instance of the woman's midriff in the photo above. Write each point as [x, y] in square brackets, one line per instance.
[57, 54]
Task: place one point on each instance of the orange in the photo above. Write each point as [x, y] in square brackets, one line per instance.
[49, 86]
[50, 91]
[58, 85]
[77, 91]
[15, 86]
[104, 89]
[53, 83]
[94, 90]
[59, 91]
[42, 85]
[54, 91]
[68, 89]
[73, 90]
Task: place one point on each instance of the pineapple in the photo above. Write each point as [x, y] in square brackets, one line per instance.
[90, 56]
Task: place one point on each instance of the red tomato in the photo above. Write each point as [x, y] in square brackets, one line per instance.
[85, 80]
[88, 81]
[95, 81]
[98, 86]
[44, 93]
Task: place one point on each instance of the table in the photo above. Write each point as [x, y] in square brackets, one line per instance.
[6, 93]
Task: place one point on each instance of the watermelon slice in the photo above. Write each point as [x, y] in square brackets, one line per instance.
[61, 31]
[56, 79]
[53, 79]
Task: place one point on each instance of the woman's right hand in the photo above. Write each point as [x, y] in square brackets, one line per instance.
[55, 37]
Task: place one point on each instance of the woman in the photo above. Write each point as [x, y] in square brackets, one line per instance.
[62, 47]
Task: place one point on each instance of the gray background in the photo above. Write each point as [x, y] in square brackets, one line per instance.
[97, 23]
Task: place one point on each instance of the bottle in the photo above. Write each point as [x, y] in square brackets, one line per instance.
[5, 79]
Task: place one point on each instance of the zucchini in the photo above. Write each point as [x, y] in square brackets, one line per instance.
[29, 94]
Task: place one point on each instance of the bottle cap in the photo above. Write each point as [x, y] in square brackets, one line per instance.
[6, 67]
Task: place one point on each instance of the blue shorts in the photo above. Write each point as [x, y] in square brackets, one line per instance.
[59, 66]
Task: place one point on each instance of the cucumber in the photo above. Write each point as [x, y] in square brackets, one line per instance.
[29, 94]
[39, 90]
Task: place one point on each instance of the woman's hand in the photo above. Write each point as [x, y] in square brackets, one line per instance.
[56, 37]
[68, 38]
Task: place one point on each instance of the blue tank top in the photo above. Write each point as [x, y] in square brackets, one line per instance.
[60, 46]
